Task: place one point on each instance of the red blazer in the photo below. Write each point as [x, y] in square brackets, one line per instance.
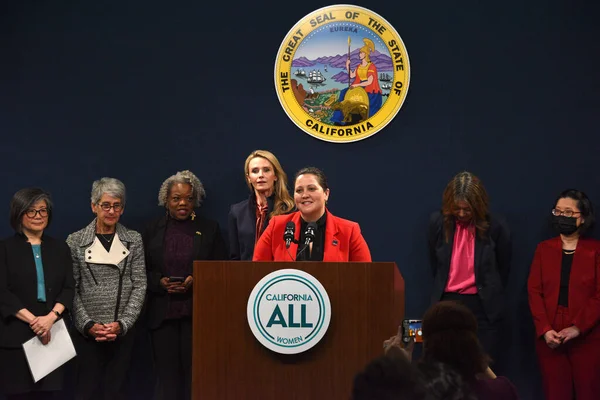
[584, 285]
[343, 241]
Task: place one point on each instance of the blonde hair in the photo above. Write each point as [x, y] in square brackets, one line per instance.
[283, 201]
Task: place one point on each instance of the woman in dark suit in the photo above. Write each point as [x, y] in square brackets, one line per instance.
[564, 298]
[248, 219]
[172, 243]
[36, 287]
[470, 254]
[335, 239]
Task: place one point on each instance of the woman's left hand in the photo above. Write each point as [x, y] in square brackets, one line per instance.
[41, 325]
[569, 333]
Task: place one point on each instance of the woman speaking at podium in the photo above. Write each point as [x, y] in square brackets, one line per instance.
[312, 233]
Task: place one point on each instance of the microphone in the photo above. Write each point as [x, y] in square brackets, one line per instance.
[288, 235]
[309, 235]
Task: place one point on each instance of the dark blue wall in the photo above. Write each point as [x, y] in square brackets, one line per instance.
[141, 89]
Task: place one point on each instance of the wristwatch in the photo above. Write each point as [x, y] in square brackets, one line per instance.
[58, 315]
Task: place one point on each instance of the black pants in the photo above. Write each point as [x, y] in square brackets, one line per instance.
[172, 349]
[487, 332]
[102, 367]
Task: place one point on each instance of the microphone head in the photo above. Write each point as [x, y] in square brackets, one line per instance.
[288, 234]
[311, 228]
[290, 226]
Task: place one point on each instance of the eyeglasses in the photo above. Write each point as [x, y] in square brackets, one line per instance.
[31, 213]
[567, 213]
[107, 206]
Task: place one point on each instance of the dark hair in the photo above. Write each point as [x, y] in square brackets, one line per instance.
[450, 337]
[22, 201]
[388, 378]
[321, 178]
[466, 187]
[443, 383]
[585, 206]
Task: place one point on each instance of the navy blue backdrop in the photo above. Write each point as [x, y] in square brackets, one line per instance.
[141, 89]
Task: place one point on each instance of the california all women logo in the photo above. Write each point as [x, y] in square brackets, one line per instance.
[289, 311]
[342, 73]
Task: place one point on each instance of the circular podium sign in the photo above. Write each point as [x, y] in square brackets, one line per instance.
[289, 311]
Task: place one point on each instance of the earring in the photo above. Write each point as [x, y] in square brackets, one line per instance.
[193, 215]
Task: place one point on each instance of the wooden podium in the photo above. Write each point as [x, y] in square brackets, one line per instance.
[228, 363]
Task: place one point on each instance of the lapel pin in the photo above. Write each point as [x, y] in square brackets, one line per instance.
[335, 242]
[199, 233]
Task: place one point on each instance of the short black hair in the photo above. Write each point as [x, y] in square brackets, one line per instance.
[388, 378]
[22, 201]
[585, 206]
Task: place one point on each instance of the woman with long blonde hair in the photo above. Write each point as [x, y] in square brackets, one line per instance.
[269, 197]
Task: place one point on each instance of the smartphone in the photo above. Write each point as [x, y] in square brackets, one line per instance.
[412, 328]
[176, 279]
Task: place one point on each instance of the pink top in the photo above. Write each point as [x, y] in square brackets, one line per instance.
[461, 278]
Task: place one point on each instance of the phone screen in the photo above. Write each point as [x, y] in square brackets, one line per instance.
[412, 328]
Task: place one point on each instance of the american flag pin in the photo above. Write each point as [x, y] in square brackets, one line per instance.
[335, 242]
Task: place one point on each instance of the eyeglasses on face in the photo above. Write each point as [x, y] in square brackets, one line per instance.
[107, 206]
[31, 213]
[567, 213]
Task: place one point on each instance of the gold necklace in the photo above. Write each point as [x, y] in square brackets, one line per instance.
[569, 252]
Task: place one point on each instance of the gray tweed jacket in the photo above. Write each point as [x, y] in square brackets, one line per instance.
[109, 286]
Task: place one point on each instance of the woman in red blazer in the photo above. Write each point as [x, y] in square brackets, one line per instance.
[335, 239]
[564, 297]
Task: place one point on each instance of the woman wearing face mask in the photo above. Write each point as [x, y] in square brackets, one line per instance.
[248, 219]
[172, 243]
[564, 298]
[335, 239]
[470, 253]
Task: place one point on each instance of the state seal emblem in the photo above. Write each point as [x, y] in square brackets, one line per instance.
[342, 73]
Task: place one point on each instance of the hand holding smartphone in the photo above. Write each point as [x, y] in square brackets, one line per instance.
[411, 328]
[176, 279]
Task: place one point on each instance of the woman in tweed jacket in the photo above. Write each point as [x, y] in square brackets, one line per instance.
[110, 285]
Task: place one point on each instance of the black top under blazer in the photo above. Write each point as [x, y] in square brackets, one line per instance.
[492, 262]
[208, 245]
[18, 284]
[242, 227]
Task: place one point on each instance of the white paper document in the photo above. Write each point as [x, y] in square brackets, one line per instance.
[45, 359]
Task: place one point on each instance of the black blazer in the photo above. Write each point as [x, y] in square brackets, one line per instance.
[18, 284]
[242, 227]
[208, 245]
[492, 262]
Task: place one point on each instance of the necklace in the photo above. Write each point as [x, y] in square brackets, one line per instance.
[107, 240]
[568, 251]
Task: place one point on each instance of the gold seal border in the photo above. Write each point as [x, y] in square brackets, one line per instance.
[315, 20]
